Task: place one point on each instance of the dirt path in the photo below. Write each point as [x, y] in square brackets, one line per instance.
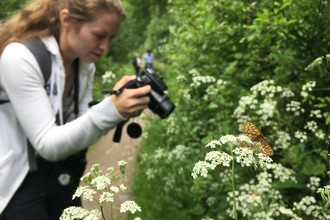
[107, 153]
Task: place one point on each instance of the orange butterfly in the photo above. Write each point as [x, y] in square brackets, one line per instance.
[255, 135]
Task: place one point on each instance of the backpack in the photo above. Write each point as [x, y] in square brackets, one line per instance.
[42, 55]
[40, 52]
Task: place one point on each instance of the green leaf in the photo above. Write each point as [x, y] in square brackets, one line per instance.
[327, 120]
[313, 168]
[213, 105]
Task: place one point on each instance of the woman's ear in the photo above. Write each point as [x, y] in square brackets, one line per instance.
[65, 19]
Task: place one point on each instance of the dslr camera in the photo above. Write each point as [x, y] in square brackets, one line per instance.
[159, 104]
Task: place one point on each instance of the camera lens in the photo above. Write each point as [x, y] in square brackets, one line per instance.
[160, 104]
[165, 108]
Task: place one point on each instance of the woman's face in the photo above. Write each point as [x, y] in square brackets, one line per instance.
[91, 39]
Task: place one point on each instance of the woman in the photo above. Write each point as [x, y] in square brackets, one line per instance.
[74, 32]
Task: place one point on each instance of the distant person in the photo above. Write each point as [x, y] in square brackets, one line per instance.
[148, 59]
[137, 64]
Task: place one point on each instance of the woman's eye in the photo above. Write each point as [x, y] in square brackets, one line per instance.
[99, 36]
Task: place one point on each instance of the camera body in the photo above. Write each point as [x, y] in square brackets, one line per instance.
[159, 104]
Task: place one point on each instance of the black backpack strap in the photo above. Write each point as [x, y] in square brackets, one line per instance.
[42, 55]
[40, 52]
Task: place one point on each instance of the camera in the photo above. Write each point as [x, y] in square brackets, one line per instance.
[159, 104]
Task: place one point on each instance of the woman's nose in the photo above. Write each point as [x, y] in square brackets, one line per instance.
[104, 46]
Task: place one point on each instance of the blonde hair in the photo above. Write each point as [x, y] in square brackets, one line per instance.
[41, 17]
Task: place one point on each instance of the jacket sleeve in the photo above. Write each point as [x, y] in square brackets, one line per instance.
[24, 84]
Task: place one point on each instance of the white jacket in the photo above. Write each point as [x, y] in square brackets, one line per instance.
[30, 114]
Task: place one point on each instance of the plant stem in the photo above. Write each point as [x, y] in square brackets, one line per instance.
[102, 212]
[233, 182]
[111, 210]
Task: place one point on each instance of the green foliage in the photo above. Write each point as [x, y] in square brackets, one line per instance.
[216, 52]
[211, 54]
[10, 6]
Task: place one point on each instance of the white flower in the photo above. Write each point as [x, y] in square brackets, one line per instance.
[210, 201]
[264, 160]
[95, 169]
[283, 141]
[110, 169]
[97, 183]
[316, 113]
[218, 158]
[129, 206]
[108, 76]
[159, 153]
[85, 192]
[181, 78]
[314, 183]
[73, 212]
[311, 125]
[122, 166]
[93, 215]
[301, 135]
[86, 176]
[101, 182]
[213, 144]
[295, 107]
[114, 189]
[122, 163]
[200, 168]
[282, 173]
[178, 153]
[320, 134]
[227, 138]
[287, 93]
[122, 187]
[106, 197]
[243, 138]
[150, 173]
[244, 156]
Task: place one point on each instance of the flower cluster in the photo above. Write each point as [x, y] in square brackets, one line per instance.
[259, 199]
[101, 188]
[214, 85]
[242, 155]
[263, 104]
[108, 76]
[325, 193]
[317, 62]
[308, 87]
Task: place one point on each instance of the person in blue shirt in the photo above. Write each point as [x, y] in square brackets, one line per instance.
[148, 59]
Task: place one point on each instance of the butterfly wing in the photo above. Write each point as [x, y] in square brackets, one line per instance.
[255, 135]
[268, 150]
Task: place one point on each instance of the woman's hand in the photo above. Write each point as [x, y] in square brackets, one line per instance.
[131, 102]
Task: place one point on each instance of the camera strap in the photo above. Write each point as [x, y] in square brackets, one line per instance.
[117, 136]
[76, 88]
[112, 92]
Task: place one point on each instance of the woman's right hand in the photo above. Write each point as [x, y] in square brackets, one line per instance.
[131, 102]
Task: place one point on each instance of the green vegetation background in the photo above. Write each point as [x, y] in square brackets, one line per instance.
[242, 43]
